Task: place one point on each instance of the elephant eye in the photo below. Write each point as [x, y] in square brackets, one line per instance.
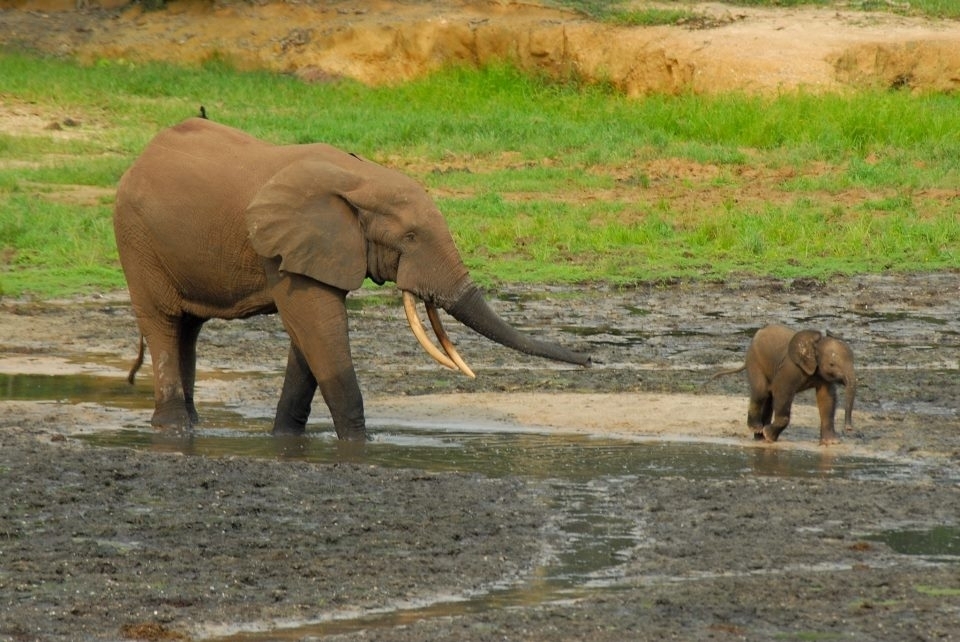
[410, 237]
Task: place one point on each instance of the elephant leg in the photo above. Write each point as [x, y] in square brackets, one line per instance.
[163, 335]
[827, 405]
[758, 413]
[781, 417]
[189, 331]
[767, 411]
[299, 386]
[315, 316]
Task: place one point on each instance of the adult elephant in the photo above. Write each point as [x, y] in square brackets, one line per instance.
[781, 362]
[213, 223]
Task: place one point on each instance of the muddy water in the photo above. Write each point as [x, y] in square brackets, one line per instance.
[573, 459]
[109, 391]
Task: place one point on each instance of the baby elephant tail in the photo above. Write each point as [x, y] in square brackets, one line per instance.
[723, 373]
[136, 364]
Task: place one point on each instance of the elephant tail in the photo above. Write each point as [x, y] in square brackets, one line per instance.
[136, 364]
[723, 373]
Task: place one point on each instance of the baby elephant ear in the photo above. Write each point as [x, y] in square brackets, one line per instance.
[802, 350]
[300, 217]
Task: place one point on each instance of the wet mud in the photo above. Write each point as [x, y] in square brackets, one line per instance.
[537, 502]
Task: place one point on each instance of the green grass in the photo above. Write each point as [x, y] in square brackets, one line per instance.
[539, 181]
[54, 247]
[938, 591]
[662, 12]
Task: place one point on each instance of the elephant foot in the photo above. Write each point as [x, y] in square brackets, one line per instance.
[192, 412]
[771, 434]
[288, 428]
[853, 433]
[829, 438]
[173, 419]
[358, 435]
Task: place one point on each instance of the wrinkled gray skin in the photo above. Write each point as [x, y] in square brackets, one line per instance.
[213, 223]
[780, 363]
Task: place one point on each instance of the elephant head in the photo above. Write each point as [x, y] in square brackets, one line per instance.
[338, 218]
[829, 358]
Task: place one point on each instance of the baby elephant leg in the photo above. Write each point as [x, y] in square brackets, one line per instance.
[781, 419]
[827, 405]
[759, 413]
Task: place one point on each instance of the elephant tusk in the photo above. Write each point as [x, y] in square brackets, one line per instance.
[409, 307]
[445, 341]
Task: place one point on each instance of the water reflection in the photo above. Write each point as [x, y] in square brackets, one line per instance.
[113, 391]
[579, 459]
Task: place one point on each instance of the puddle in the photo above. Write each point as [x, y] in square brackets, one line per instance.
[543, 456]
[937, 544]
[462, 447]
[113, 391]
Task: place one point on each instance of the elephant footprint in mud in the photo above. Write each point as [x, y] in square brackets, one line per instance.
[780, 363]
[213, 223]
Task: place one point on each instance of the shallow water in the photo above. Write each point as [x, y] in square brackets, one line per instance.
[74, 388]
[577, 459]
[937, 544]
[460, 447]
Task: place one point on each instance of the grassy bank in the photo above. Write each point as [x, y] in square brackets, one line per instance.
[539, 182]
[674, 11]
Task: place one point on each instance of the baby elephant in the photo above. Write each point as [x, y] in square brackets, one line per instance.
[780, 363]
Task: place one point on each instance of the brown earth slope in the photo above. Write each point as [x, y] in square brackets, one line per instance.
[386, 41]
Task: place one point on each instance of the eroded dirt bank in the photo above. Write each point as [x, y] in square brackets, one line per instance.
[103, 543]
[377, 41]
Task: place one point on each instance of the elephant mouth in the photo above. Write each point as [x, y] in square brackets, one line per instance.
[448, 357]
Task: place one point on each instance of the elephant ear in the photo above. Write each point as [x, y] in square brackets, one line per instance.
[802, 350]
[300, 216]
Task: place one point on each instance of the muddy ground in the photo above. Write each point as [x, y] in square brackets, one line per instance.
[112, 543]
[102, 543]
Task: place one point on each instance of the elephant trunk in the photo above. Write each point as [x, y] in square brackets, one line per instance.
[850, 384]
[472, 310]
